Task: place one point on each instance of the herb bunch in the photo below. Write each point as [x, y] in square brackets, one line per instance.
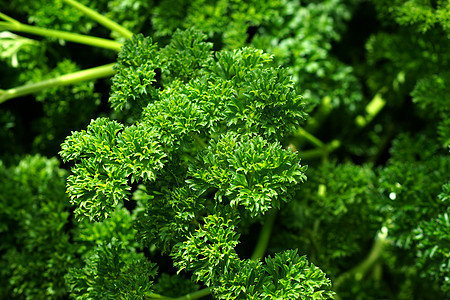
[198, 170]
[206, 148]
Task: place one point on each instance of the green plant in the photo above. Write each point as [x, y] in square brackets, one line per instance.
[207, 148]
[198, 170]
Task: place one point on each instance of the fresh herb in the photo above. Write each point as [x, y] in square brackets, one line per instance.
[276, 150]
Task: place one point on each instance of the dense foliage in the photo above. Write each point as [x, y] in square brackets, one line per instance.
[240, 150]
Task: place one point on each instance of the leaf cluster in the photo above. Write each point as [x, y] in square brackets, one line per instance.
[202, 146]
[35, 247]
[112, 273]
[336, 198]
[301, 37]
[39, 240]
[432, 237]
[175, 121]
[207, 149]
[423, 15]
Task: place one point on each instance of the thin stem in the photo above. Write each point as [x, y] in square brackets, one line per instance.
[372, 110]
[157, 296]
[315, 141]
[322, 152]
[264, 235]
[359, 271]
[108, 23]
[198, 141]
[314, 122]
[8, 19]
[93, 73]
[68, 36]
[333, 145]
[190, 296]
[311, 154]
[196, 295]
[383, 144]
[320, 114]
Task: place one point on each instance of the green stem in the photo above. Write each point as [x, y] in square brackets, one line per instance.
[108, 23]
[322, 152]
[264, 235]
[372, 110]
[8, 19]
[190, 296]
[313, 123]
[359, 271]
[93, 73]
[68, 36]
[311, 154]
[157, 296]
[383, 144]
[308, 136]
[198, 141]
[321, 114]
[195, 295]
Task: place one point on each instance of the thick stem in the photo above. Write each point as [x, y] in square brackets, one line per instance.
[94, 73]
[108, 23]
[68, 36]
[264, 235]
